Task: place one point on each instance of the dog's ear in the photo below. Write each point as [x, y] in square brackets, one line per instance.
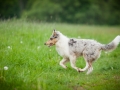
[54, 30]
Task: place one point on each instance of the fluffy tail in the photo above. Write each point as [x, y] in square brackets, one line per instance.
[112, 45]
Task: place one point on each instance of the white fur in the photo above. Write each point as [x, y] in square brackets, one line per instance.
[62, 46]
[116, 40]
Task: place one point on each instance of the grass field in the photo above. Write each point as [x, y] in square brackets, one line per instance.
[33, 66]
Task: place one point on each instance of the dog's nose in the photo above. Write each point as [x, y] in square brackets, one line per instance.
[44, 43]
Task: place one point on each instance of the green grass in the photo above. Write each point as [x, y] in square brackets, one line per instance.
[33, 66]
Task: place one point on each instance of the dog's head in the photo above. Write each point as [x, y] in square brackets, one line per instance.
[53, 39]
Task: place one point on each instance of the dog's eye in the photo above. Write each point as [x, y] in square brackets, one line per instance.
[55, 36]
[51, 38]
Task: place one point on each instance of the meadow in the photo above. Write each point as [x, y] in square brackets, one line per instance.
[34, 66]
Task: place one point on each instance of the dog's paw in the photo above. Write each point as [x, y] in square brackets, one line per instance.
[79, 70]
[65, 67]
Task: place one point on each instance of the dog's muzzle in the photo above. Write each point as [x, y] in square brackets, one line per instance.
[51, 44]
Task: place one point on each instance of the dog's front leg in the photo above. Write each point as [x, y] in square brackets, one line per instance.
[63, 61]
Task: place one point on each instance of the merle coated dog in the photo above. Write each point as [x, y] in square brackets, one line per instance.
[70, 49]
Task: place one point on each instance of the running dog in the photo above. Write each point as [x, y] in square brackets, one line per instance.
[70, 49]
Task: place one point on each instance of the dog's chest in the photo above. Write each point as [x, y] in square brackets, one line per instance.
[62, 51]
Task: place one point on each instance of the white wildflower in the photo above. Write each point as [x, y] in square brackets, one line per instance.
[38, 47]
[50, 50]
[5, 68]
[21, 42]
[9, 47]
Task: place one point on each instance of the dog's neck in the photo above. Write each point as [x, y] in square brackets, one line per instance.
[63, 40]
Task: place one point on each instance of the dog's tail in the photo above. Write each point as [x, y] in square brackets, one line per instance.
[112, 45]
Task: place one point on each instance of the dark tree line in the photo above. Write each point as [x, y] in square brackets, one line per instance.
[69, 11]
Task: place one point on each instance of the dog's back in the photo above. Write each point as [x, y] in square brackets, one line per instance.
[80, 46]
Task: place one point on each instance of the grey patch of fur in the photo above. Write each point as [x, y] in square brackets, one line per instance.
[109, 47]
[71, 42]
[112, 45]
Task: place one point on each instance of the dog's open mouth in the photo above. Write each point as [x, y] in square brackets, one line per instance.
[49, 45]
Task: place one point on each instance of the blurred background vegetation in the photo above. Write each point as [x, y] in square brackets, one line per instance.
[98, 12]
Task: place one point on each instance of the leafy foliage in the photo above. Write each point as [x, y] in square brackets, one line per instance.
[77, 11]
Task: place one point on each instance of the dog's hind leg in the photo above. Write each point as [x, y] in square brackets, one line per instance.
[86, 67]
[88, 64]
[90, 68]
[63, 61]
